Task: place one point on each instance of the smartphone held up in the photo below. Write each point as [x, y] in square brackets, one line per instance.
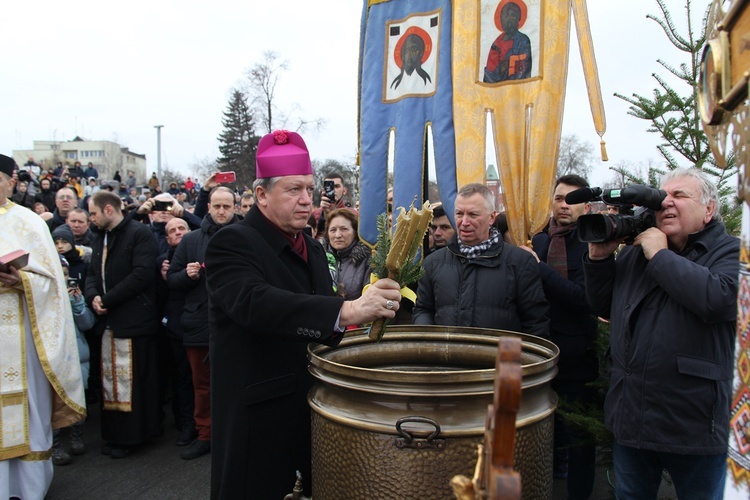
[225, 177]
[329, 190]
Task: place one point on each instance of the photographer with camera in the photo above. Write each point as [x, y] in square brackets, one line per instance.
[331, 198]
[159, 210]
[671, 298]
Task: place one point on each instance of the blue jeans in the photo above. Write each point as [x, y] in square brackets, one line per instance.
[638, 474]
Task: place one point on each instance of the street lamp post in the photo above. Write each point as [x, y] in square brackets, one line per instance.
[158, 150]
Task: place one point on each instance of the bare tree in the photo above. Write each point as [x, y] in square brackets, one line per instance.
[169, 176]
[202, 169]
[575, 156]
[262, 80]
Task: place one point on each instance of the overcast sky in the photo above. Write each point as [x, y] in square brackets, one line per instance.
[113, 71]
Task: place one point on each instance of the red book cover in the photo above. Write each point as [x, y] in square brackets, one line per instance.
[17, 258]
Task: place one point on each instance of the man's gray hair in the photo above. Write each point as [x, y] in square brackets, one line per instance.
[709, 190]
[474, 188]
[266, 183]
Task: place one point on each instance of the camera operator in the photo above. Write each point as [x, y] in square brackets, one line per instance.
[671, 299]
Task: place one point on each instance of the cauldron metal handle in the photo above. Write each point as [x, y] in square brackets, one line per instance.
[409, 441]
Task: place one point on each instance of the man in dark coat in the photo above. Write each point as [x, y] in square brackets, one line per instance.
[559, 254]
[270, 293]
[186, 275]
[22, 196]
[671, 298]
[45, 196]
[121, 289]
[157, 219]
[478, 279]
[172, 303]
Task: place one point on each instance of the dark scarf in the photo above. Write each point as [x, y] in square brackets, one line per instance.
[73, 256]
[297, 241]
[557, 255]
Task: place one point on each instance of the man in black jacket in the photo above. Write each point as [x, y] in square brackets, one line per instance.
[186, 275]
[671, 298]
[559, 253]
[46, 196]
[121, 289]
[270, 294]
[478, 279]
[172, 304]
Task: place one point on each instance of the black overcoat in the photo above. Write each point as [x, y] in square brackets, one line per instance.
[265, 305]
[130, 277]
[572, 322]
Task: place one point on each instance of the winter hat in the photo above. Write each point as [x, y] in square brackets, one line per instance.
[282, 153]
[64, 233]
[7, 165]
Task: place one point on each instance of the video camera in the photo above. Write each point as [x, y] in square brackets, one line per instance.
[24, 176]
[57, 184]
[598, 228]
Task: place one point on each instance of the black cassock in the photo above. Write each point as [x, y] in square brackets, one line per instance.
[265, 305]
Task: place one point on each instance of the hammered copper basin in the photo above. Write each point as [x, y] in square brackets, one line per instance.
[398, 418]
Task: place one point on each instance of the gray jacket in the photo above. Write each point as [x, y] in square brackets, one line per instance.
[671, 342]
[499, 289]
[353, 269]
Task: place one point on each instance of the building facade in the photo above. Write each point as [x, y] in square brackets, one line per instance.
[107, 156]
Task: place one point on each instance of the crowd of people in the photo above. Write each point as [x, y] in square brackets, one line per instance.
[211, 296]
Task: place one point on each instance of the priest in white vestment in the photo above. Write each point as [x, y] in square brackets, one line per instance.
[40, 373]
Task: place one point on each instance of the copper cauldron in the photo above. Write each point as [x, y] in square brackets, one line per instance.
[399, 418]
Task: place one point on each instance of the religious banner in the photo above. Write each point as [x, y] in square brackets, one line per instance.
[510, 60]
[446, 65]
[405, 88]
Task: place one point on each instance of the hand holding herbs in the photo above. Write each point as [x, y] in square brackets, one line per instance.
[395, 257]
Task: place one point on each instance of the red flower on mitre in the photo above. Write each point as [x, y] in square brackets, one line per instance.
[280, 136]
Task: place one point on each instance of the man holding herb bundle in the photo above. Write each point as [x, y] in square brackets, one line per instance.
[270, 293]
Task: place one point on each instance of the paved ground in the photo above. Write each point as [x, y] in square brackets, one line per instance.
[153, 471]
[156, 471]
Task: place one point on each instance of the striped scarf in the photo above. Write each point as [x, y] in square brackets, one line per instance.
[471, 252]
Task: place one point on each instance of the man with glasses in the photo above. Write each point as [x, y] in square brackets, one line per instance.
[65, 200]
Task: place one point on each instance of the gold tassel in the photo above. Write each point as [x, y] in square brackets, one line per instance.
[604, 150]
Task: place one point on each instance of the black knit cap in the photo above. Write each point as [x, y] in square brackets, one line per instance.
[7, 165]
[63, 232]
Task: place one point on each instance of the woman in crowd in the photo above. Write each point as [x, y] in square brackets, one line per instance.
[352, 256]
